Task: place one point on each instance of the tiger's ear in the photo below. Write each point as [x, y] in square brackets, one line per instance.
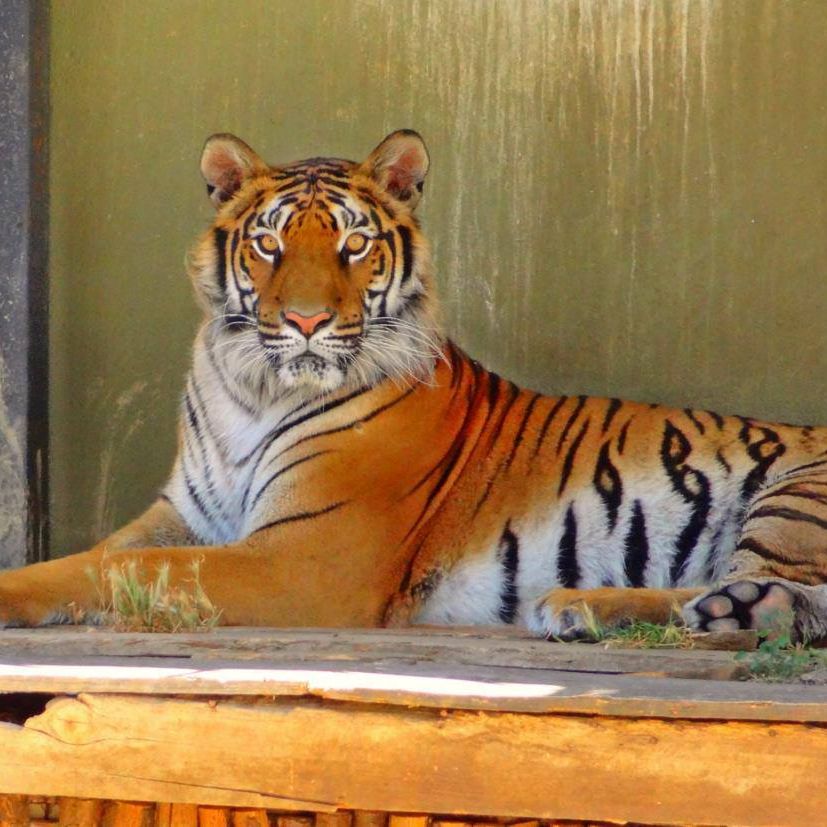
[226, 163]
[399, 165]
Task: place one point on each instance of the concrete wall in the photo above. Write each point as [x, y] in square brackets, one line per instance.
[23, 297]
[627, 197]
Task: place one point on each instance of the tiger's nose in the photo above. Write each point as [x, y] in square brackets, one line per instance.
[308, 325]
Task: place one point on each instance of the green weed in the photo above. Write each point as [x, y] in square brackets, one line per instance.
[777, 658]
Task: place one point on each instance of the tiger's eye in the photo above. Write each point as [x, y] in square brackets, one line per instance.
[356, 243]
[267, 244]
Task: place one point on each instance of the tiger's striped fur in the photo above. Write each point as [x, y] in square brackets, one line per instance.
[341, 463]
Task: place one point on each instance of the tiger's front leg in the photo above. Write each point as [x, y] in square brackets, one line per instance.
[41, 593]
[307, 573]
[571, 614]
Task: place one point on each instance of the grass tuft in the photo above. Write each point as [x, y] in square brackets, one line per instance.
[777, 658]
[134, 602]
[636, 634]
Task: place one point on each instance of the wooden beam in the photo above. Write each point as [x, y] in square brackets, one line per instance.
[176, 815]
[14, 811]
[80, 812]
[128, 814]
[426, 685]
[307, 755]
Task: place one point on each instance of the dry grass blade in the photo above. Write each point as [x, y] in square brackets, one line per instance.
[132, 602]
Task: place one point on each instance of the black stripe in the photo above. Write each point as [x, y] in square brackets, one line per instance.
[521, 430]
[248, 409]
[493, 392]
[303, 515]
[568, 462]
[220, 239]
[694, 420]
[795, 472]
[360, 421]
[581, 401]
[637, 548]
[568, 569]
[693, 486]
[767, 553]
[763, 452]
[782, 513]
[274, 477]
[195, 432]
[509, 556]
[407, 253]
[716, 418]
[555, 409]
[273, 435]
[621, 440]
[614, 406]
[792, 490]
[513, 394]
[199, 504]
[722, 461]
[608, 484]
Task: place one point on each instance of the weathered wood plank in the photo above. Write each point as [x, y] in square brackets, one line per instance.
[213, 817]
[463, 647]
[294, 821]
[176, 815]
[369, 818]
[397, 820]
[344, 819]
[258, 818]
[310, 755]
[128, 814]
[430, 685]
[80, 812]
[14, 811]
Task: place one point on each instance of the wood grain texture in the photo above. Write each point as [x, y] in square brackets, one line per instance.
[81, 812]
[14, 811]
[305, 754]
[128, 814]
[258, 818]
[213, 817]
[429, 686]
[176, 815]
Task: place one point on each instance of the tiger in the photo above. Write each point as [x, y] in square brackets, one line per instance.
[342, 463]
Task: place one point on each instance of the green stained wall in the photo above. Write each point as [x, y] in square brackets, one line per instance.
[627, 197]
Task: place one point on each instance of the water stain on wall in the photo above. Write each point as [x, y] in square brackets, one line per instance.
[626, 196]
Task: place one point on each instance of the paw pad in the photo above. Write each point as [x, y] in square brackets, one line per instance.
[742, 605]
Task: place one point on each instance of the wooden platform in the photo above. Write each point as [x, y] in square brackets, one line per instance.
[466, 726]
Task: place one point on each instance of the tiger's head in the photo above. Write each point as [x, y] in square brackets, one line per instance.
[315, 275]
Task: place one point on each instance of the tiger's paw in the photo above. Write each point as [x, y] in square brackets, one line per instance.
[563, 614]
[586, 614]
[774, 606]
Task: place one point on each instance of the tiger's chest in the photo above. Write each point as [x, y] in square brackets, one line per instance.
[217, 481]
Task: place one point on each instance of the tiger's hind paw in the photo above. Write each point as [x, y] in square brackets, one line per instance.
[774, 606]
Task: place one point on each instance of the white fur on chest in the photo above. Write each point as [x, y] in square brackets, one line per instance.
[222, 446]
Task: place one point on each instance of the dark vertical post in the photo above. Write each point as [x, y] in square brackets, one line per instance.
[24, 52]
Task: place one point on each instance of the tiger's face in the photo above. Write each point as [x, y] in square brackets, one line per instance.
[316, 274]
